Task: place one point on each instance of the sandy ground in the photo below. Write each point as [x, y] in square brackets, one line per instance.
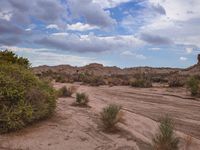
[74, 128]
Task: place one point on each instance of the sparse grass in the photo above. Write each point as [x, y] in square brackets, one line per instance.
[165, 138]
[66, 92]
[110, 116]
[82, 99]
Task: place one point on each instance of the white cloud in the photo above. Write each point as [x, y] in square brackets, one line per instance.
[129, 53]
[110, 3]
[180, 10]
[60, 34]
[180, 24]
[81, 27]
[90, 43]
[155, 49]
[5, 16]
[91, 12]
[189, 50]
[183, 58]
[28, 29]
[43, 56]
[52, 26]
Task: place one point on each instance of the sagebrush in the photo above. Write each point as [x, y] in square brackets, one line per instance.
[82, 99]
[110, 116]
[165, 139]
[66, 91]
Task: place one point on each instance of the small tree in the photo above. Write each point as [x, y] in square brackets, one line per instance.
[7, 56]
[165, 139]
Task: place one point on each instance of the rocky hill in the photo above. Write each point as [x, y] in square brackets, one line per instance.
[100, 70]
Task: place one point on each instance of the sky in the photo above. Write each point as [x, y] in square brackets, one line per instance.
[123, 33]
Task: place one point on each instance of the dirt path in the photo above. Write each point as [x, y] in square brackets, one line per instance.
[74, 128]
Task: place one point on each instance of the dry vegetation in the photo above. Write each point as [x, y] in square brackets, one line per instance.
[25, 99]
[110, 116]
[66, 91]
[82, 99]
[165, 138]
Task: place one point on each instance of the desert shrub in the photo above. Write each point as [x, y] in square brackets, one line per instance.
[93, 80]
[66, 92]
[141, 83]
[175, 82]
[60, 79]
[9, 57]
[96, 81]
[82, 99]
[110, 116]
[193, 85]
[165, 138]
[23, 97]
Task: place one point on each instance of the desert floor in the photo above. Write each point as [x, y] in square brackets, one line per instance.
[74, 128]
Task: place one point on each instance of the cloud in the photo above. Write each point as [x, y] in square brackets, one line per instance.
[155, 49]
[52, 26]
[10, 41]
[158, 8]
[189, 50]
[155, 39]
[131, 54]
[183, 58]
[89, 43]
[5, 16]
[110, 3]
[8, 28]
[43, 56]
[178, 10]
[91, 12]
[180, 23]
[81, 27]
[22, 11]
[28, 29]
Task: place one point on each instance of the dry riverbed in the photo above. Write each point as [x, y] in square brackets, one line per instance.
[74, 128]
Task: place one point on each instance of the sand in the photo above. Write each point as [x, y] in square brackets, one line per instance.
[74, 128]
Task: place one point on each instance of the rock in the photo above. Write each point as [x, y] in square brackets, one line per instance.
[198, 59]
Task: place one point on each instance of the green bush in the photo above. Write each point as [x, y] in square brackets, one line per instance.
[82, 99]
[11, 58]
[165, 138]
[141, 83]
[23, 97]
[66, 92]
[110, 116]
[193, 85]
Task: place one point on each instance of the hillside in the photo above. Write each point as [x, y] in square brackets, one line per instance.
[100, 70]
